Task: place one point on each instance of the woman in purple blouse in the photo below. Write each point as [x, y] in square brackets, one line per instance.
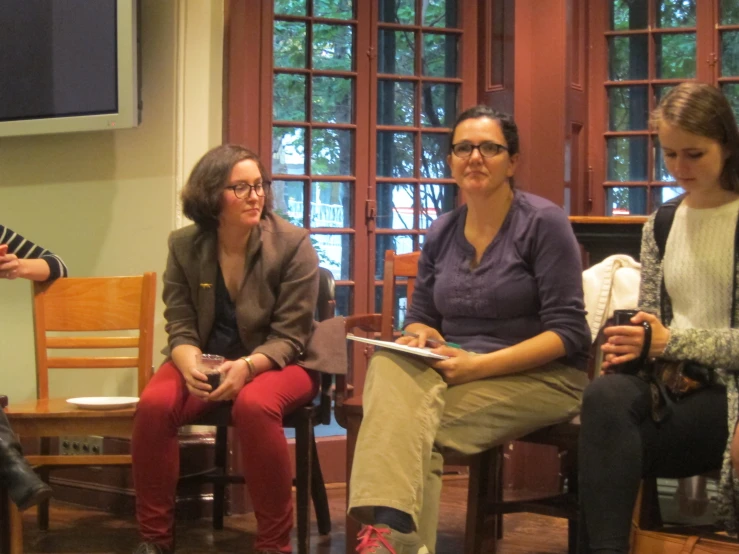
[501, 277]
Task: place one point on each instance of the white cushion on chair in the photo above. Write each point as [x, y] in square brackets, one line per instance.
[612, 284]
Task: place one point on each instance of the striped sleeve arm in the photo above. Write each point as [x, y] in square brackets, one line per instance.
[24, 248]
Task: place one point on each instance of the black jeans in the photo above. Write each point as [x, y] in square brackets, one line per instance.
[620, 443]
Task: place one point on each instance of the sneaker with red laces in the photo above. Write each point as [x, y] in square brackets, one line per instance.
[381, 539]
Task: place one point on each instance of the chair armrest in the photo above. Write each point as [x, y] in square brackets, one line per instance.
[366, 322]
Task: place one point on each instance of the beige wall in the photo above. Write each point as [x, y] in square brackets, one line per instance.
[106, 201]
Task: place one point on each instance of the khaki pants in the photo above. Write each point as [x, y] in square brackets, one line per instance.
[410, 412]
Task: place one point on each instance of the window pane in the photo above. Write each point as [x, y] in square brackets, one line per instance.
[675, 56]
[397, 11]
[395, 206]
[336, 9]
[334, 253]
[289, 44]
[626, 201]
[333, 47]
[333, 99]
[627, 159]
[628, 108]
[331, 205]
[439, 13]
[676, 13]
[627, 58]
[439, 104]
[288, 150]
[402, 244]
[436, 200]
[396, 52]
[729, 12]
[289, 197]
[731, 90]
[331, 152]
[627, 14]
[344, 299]
[395, 154]
[439, 55]
[288, 98]
[396, 102]
[660, 195]
[729, 53]
[290, 7]
[434, 152]
[660, 169]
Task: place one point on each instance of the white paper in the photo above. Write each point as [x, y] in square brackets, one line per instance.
[413, 350]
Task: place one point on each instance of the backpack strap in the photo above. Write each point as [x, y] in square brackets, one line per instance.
[663, 223]
[736, 264]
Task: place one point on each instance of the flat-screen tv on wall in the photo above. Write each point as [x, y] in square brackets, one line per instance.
[68, 65]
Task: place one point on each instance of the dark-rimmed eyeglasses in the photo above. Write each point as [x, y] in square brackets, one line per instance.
[487, 149]
[244, 190]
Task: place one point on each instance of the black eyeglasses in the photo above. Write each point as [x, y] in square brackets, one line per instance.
[488, 149]
[244, 190]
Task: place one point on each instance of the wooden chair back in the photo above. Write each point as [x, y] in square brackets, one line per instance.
[67, 312]
[399, 268]
[83, 314]
[325, 309]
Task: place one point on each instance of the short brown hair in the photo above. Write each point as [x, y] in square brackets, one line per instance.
[203, 193]
[703, 110]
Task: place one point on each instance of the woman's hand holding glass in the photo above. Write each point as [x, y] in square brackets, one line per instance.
[625, 341]
[196, 381]
[234, 375]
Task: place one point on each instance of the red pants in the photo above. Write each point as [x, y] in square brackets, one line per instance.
[257, 414]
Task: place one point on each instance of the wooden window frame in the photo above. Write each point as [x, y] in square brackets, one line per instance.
[707, 35]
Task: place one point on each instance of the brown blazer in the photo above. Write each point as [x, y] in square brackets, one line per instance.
[276, 302]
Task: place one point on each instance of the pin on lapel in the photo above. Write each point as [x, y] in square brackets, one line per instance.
[206, 286]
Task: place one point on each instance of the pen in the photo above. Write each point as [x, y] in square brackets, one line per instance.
[431, 342]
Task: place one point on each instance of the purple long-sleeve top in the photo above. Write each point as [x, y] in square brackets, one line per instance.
[529, 280]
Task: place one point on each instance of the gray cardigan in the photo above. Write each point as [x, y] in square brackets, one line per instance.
[717, 348]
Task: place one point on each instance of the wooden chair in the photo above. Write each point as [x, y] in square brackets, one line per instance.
[485, 503]
[647, 517]
[66, 313]
[5, 506]
[308, 477]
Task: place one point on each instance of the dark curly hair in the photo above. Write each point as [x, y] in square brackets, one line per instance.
[202, 195]
[703, 110]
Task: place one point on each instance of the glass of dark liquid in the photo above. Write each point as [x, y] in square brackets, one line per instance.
[209, 365]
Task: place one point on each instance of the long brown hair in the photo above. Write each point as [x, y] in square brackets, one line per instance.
[703, 110]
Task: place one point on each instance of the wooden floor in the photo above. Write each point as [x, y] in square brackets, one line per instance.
[75, 530]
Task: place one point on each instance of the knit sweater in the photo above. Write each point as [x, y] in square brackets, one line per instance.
[699, 266]
[25, 249]
[717, 347]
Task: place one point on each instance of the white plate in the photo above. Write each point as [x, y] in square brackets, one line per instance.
[103, 402]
